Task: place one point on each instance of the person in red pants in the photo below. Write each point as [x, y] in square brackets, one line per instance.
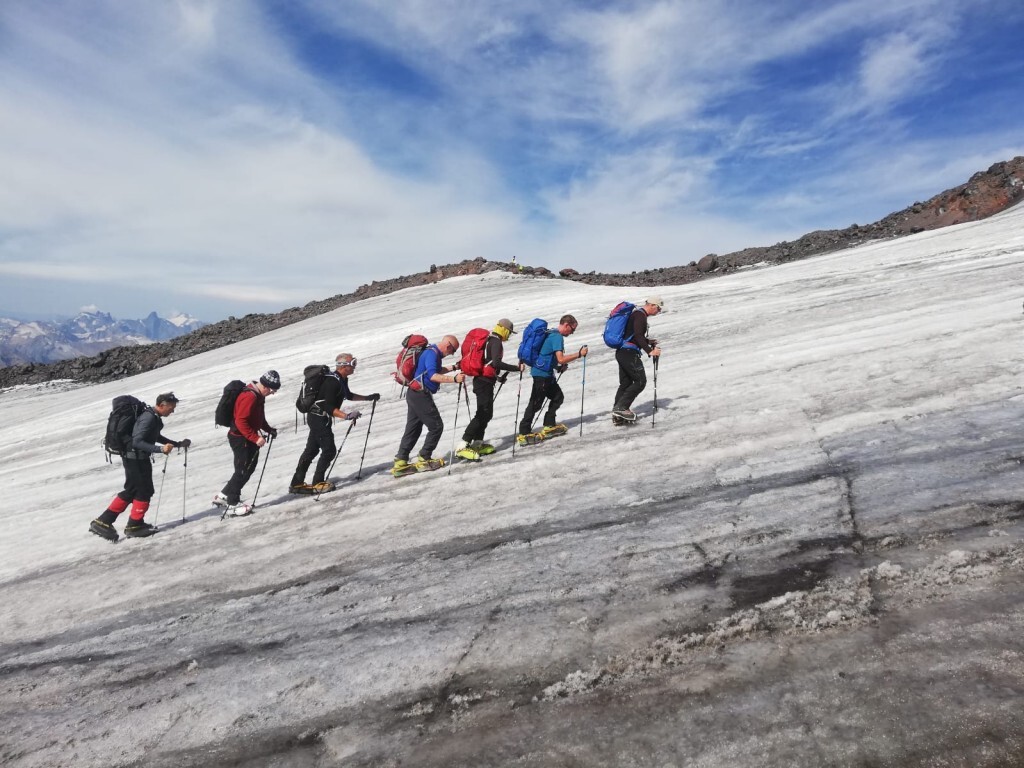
[147, 439]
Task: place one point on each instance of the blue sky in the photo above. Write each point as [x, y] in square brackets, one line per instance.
[229, 157]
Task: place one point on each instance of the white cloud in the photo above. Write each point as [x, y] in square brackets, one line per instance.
[216, 181]
[643, 211]
[192, 133]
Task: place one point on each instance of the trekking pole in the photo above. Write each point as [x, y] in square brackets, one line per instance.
[369, 426]
[544, 402]
[455, 425]
[655, 413]
[515, 430]
[501, 383]
[266, 458]
[336, 455]
[184, 486]
[156, 511]
[583, 393]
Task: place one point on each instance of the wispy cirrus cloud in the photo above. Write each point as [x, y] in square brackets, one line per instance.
[263, 154]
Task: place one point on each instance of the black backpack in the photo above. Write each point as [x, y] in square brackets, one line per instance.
[312, 379]
[224, 416]
[125, 409]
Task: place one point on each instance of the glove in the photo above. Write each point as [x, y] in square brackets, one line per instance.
[352, 415]
[185, 443]
[374, 397]
[271, 431]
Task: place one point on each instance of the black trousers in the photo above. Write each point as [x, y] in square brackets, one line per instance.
[632, 378]
[543, 387]
[247, 456]
[138, 479]
[484, 391]
[422, 412]
[320, 440]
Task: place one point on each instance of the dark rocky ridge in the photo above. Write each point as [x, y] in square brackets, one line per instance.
[985, 194]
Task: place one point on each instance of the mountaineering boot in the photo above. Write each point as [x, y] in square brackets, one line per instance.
[238, 510]
[325, 487]
[618, 421]
[624, 413]
[426, 464]
[484, 449]
[220, 500]
[400, 467]
[139, 528]
[531, 438]
[304, 488]
[554, 430]
[468, 454]
[105, 530]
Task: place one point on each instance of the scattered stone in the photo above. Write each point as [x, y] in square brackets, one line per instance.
[708, 264]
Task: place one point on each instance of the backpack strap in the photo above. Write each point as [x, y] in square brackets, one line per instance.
[627, 340]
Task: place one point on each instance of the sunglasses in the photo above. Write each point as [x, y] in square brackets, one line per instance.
[351, 364]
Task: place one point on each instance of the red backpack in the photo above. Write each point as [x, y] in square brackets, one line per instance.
[405, 364]
[472, 363]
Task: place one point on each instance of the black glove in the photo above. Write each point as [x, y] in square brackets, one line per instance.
[184, 443]
[374, 397]
[271, 431]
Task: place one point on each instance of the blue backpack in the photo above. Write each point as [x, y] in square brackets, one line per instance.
[615, 325]
[533, 340]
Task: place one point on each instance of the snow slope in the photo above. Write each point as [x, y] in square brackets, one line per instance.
[810, 556]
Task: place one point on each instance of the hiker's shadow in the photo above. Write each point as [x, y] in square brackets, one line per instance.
[367, 471]
[647, 409]
[215, 512]
[589, 418]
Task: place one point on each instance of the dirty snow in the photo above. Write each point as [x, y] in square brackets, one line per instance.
[809, 555]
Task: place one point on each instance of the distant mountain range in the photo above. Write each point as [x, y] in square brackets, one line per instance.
[88, 333]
